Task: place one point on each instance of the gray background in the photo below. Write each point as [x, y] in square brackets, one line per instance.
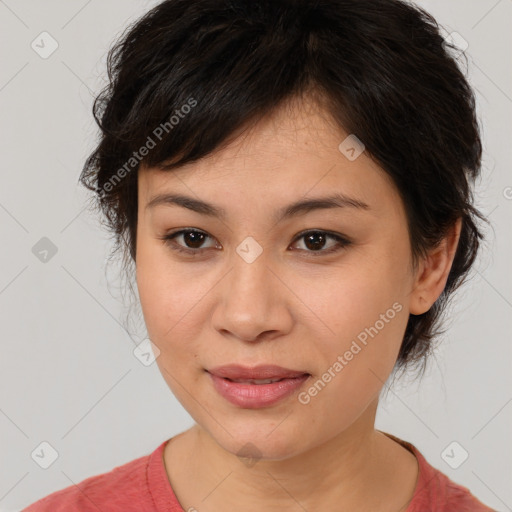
[68, 375]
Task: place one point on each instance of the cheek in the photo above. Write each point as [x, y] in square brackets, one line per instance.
[170, 305]
[363, 309]
[168, 294]
[356, 297]
[354, 363]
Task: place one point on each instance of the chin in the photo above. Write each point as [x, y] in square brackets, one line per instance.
[269, 440]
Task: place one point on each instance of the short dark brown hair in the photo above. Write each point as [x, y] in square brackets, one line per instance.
[189, 73]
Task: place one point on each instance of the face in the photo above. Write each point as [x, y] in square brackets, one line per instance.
[322, 290]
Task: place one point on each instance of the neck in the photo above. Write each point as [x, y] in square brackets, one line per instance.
[354, 470]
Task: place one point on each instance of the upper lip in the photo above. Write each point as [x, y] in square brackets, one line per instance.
[266, 371]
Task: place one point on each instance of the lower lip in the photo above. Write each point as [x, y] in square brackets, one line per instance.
[255, 396]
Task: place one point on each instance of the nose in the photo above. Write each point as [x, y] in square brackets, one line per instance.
[252, 304]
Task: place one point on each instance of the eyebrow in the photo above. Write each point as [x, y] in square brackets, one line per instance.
[300, 207]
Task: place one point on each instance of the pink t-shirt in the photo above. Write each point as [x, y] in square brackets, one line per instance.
[142, 485]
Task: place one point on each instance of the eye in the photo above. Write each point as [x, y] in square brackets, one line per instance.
[193, 237]
[314, 241]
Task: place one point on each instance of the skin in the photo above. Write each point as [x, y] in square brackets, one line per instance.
[288, 307]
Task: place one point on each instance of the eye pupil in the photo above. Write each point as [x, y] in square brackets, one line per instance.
[315, 244]
[194, 237]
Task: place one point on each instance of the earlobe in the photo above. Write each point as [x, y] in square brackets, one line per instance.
[433, 272]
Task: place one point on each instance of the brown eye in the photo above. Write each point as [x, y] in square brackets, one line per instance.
[192, 241]
[316, 240]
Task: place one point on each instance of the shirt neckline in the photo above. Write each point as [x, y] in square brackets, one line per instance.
[165, 500]
[425, 472]
[158, 482]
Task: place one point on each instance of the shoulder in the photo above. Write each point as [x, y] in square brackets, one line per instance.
[444, 495]
[435, 492]
[122, 489]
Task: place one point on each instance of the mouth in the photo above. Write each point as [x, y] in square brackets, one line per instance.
[257, 387]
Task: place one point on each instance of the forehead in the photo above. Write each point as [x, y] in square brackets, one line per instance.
[294, 152]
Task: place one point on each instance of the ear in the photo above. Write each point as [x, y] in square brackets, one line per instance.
[433, 270]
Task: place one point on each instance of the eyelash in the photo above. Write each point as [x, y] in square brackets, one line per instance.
[342, 242]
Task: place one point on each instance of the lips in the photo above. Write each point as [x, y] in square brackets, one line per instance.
[262, 374]
[257, 387]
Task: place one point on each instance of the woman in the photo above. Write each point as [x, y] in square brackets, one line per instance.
[291, 181]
